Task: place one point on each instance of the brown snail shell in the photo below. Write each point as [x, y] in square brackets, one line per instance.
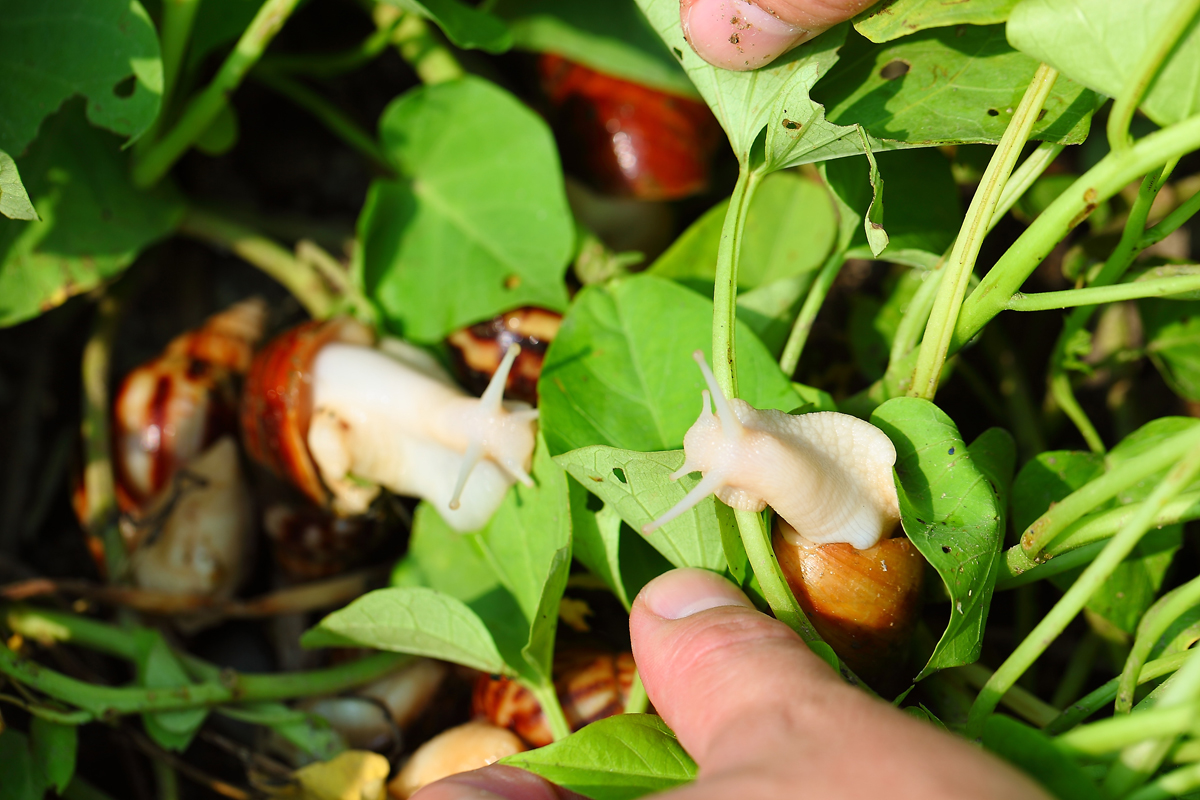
[461, 749]
[310, 543]
[478, 350]
[864, 603]
[590, 684]
[277, 400]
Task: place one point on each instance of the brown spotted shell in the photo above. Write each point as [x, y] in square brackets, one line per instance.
[277, 400]
[478, 350]
[864, 603]
[591, 685]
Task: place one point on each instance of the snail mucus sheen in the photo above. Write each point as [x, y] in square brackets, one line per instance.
[828, 478]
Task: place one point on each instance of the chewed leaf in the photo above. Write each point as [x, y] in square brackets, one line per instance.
[950, 512]
[638, 486]
[412, 620]
[618, 758]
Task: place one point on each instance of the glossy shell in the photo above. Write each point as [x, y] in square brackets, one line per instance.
[310, 542]
[461, 749]
[277, 401]
[627, 139]
[864, 603]
[479, 349]
[591, 685]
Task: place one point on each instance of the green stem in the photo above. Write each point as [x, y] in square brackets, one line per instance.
[1171, 222]
[330, 65]
[1050, 525]
[177, 19]
[552, 711]
[98, 481]
[158, 159]
[1113, 734]
[808, 312]
[106, 702]
[1023, 178]
[639, 701]
[1154, 624]
[299, 278]
[1078, 670]
[422, 47]
[1067, 608]
[1022, 411]
[1140, 760]
[725, 288]
[1064, 395]
[1145, 70]
[166, 780]
[327, 113]
[1174, 784]
[757, 540]
[1093, 702]
[1021, 702]
[1073, 206]
[940, 330]
[1093, 296]
[1017, 569]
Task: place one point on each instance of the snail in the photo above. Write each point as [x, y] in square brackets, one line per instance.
[591, 685]
[309, 542]
[185, 509]
[627, 139]
[342, 419]
[828, 478]
[479, 350]
[467, 747]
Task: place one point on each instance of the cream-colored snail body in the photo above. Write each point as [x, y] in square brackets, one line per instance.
[342, 418]
[461, 749]
[829, 475]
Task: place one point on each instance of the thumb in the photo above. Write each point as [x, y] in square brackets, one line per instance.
[742, 35]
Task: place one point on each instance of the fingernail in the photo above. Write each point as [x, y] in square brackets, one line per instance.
[683, 592]
[735, 34]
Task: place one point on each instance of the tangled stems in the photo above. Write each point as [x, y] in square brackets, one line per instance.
[159, 157]
[961, 263]
[1117, 549]
[1079, 711]
[1154, 624]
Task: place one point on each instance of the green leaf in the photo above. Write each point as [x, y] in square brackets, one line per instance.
[220, 137]
[790, 229]
[949, 510]
[14, 200]
[158, 668]
[946, 86]
[618, 758]
[480, 227]
[22, 778]
[412, 620]
[308, 732]
[774, 97]
[53, 746]
[1038, 756]
[892, 19]
[93, 221]
[637, 486]
[873, 323]
[612, 37]
[105, 50]
[528, 544]
[919, 229]
[877, 237]
[620, 371]
[1172, 331]
[611, 550]
[464, 25]
[1048, 478]
[1100, 42]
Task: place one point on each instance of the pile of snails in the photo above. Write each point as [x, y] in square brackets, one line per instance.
[346, 419]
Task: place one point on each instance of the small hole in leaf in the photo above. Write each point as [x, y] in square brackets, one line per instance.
[993, 112]
[678, 53]
[125, 87]
[1041, 115]
[620, 473]
[791, 125]
[894, 69]
[945, 549]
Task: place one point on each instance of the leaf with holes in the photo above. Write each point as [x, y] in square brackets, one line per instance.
[611, 37]
[639, 488]
[892, 19]
[481, 223]
[1101, 42]
[618, 758]
[949, 511]
[621, 373]
[946, 86]
[105, 50]
[93, 221]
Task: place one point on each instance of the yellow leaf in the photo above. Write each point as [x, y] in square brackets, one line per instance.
[353, 775]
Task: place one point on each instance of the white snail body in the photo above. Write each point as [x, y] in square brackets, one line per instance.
[829, 475]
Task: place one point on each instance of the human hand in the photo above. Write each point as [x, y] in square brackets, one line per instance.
[764, 717]
[742, 35]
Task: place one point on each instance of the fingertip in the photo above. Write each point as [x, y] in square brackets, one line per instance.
[736, 34]
[683, 592]
[495, 782]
